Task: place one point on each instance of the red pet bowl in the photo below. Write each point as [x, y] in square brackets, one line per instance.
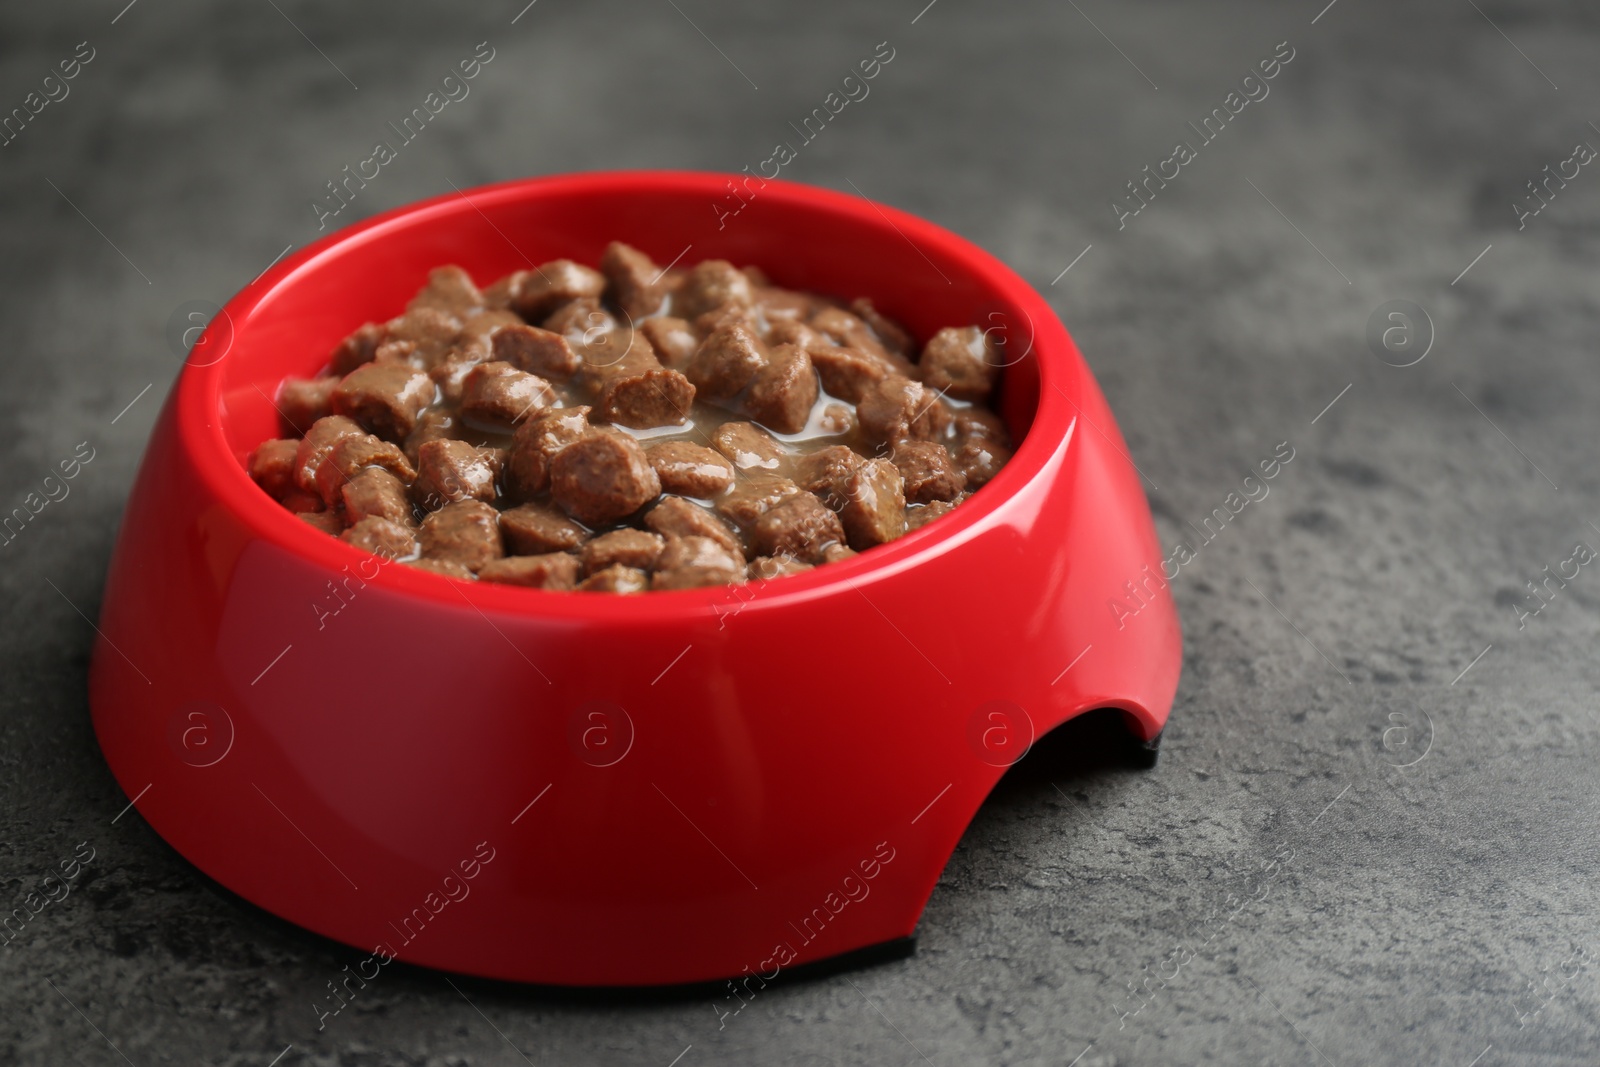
[601, 790]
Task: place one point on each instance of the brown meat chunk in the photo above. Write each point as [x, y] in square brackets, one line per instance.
[835, 553]
[690, 562]
[648, 400]
[582, 321]
[298, 500]
[782, 392]
[875, 505]
[602, 477]
[302, 401]
[673, 340]
[891, 333]
[616, 579]
[785, 305]
[475, 345]
[898, 408]
[631, 387]
[794, 332]
[501, 395]
[710, 285]
[542, 352]
[553, 570]
[837, 420]
[449, 289]
[376, 493]
[499, 294]
[635, 280]
[272, 466]
[450, 374]
[447, 567]
[478, 331]
[318, 445]
[847, 373]
[431, 330]
[726, 315]
[689, 469]
[329, 522]
[827, 471]
[747, 501]
[655, 398]
[851, 332]
[465, 532]
[981, 460]
[798, 527]
[535, 442]
[432, 425]
[381, 537]
[974, 422]
[619, 354]
[349, 455]
[726, 361]
[357, 349]
[548, 286]
[452, 471]
[630, 548]
[960, 363]
[928, 472]
[748, 446]
[398, 352]
[918, 516]
[677, 517]
[766, 568]
[696, 551]
[385, 398]
[531, 529]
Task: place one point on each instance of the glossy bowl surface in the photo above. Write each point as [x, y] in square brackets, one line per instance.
[599, 790]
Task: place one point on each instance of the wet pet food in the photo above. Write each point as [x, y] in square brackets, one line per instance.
[629, 429]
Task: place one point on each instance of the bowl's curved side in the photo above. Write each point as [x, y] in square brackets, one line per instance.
[549, 789]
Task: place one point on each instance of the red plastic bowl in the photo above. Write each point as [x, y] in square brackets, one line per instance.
[592, 789]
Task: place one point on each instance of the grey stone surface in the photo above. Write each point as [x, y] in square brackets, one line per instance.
[1280, 886]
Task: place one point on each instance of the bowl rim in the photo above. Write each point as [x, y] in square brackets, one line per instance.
[198, 404]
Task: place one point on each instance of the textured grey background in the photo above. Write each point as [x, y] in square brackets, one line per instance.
[1429, 914]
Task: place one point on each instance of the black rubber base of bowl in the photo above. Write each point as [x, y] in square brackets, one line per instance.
[1143, 754]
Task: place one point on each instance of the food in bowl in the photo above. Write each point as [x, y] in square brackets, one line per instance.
[633, 428]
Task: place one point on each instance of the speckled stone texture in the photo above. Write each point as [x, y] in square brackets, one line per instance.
[1350, 853]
